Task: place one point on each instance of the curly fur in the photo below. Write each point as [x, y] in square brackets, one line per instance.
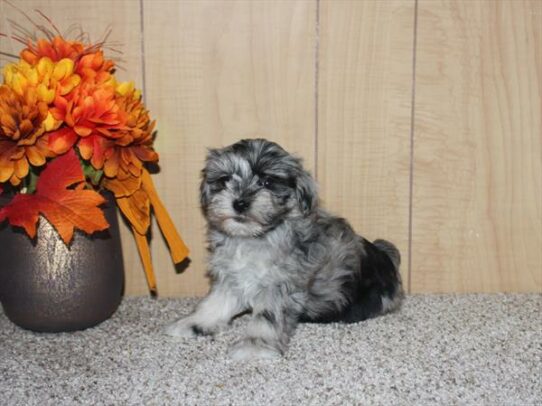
[275, 252]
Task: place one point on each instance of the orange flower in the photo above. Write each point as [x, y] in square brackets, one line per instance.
[89, 112]
[94, 67]
[56, 49]
[89, 61]
[133, 142]
[23, 140]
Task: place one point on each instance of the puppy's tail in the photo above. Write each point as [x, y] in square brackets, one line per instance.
[390, 250]
[395, 294]
[380, 290]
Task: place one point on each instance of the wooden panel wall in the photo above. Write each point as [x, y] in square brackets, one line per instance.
[477, 197]
[421, 119]
[364, 114]
[217, 72]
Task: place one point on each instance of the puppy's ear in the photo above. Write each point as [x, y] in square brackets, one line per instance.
[205, 189]
[306, 192]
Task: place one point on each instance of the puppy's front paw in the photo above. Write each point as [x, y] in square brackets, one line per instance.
[246, 350]
[182, 328]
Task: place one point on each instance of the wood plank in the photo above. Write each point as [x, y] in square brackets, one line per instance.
[477, 205]
[365, 87]
[123, 16]
[218, 72]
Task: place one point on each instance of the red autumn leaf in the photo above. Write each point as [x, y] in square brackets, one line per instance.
[65, 208]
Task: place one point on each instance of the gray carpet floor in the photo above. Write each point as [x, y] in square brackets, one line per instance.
[437, 350]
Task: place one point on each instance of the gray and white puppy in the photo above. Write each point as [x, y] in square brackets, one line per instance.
[275, 253]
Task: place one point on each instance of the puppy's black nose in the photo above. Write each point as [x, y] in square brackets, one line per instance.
[240, 205]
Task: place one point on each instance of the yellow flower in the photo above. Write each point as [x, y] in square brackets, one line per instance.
[46, 78]
[126, 88]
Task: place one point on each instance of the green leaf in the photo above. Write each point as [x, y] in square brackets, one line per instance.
[92, 174]
[32, 180]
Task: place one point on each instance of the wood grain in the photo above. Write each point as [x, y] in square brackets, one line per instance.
[218, 72]
[95, 18]
[477, 203]
[365, 87]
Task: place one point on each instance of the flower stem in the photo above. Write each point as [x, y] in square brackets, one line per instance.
[32, 181]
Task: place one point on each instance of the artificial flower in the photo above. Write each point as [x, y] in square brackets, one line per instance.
[46, 78]
[90, 113]
[133, 141]
[23, 140]
[56, 49]
[93, 67]
[61, 100]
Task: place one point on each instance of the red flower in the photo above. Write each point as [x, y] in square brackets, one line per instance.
[89, 113]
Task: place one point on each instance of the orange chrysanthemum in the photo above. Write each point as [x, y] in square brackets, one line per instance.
[90, 113]
[23, 140]
[89, 61]
[133, 143]
[93, 67]
[124, 156]
[56, 49]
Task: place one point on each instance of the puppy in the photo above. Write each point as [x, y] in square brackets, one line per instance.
[276, 253]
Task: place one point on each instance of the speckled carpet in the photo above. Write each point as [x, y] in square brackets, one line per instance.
[439, 350]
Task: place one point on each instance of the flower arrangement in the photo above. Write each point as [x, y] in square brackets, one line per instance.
[69, 130]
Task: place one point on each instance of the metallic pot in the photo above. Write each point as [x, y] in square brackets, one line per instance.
[48, 287]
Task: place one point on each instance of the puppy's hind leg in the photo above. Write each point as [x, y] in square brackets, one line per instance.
[210, 315]
[274, 318]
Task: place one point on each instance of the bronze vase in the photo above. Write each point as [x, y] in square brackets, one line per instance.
[47, 286]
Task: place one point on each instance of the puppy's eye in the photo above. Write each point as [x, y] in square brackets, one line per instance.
[221, 181]
[266, 182]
